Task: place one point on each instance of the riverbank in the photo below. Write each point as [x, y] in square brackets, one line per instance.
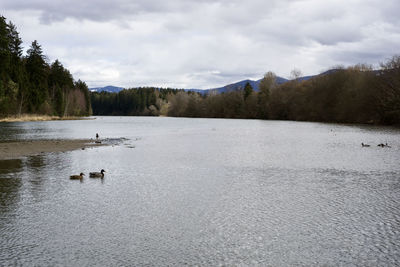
[18, 149]
[35, 117]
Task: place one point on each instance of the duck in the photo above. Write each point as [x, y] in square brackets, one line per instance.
[97, 174]
[365, 145]
[77, 177]
[384, 145]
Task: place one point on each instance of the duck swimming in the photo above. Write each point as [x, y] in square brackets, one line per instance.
[97, 174]
[384, 145]
[77, 177]
[365, 145]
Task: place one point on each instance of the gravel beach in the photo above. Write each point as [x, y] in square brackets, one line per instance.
[17, 149]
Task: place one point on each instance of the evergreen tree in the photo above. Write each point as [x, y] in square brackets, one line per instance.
[248, 90]
[37, 72]
[4, 64]
[4, 53]
[15, 49]
[15, 42]
[29, 84]
[17, 72]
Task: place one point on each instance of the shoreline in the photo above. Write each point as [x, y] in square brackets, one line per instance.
[19, 149]
[36, 117]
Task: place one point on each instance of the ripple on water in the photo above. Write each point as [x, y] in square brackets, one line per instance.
[251, 193]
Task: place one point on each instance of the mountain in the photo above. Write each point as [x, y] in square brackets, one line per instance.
[224, 89]
[109, 88]
[255, 84]
[236, 86]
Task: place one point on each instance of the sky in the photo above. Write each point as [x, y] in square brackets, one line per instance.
[202, 43]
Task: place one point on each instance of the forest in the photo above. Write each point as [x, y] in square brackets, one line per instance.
[31, 85]
[356, 94]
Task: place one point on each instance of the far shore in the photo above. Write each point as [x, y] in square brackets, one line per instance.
[18, 149]
[36, 117]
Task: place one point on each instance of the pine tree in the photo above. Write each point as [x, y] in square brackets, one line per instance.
[4, 64]
[248, 90]
[37, 72]
[15, 41]
[4, 52]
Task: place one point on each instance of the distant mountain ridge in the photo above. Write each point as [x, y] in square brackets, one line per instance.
[224, 89]
[239, 85]
[254, 84]
[108, 88]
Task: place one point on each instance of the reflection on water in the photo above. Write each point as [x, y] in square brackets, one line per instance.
[203, 192]
[10, 166]
[36, 163]
[9, 184]
[10, 195]
[10, 131]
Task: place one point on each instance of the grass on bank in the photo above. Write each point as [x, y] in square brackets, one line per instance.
[36, 117]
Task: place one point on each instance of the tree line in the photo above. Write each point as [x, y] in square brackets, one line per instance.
[142, 101]
[357, 94]
[29, 84]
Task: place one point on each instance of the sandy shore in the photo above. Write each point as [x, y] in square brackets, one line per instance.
[13, 150]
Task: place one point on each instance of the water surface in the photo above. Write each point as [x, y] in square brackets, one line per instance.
[203, 192]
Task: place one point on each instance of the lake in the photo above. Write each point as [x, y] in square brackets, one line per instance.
[180, 191]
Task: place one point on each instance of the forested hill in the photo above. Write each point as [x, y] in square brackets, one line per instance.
[356, 94]
[29, 84]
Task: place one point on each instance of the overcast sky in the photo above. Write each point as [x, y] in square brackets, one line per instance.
[204, 43]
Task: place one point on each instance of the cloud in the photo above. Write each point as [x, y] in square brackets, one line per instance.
[99, 10]
[204, 44]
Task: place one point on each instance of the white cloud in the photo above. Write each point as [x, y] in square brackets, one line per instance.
[203, 44]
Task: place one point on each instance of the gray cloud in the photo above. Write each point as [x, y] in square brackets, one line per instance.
[99, 10]
[205, 43]
[58, 10]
